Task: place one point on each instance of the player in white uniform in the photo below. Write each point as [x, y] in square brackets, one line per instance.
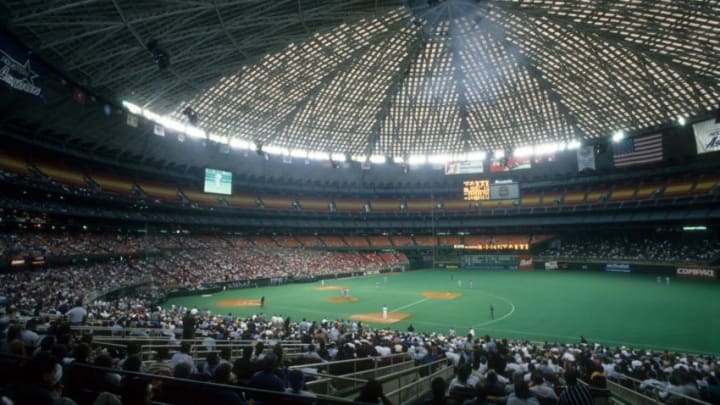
[384, 312]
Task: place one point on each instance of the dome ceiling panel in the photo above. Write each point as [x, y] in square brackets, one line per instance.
[390, 77]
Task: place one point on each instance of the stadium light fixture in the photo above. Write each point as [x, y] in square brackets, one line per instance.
[319, 155]
[195, 132]
[398, 160]
[378, 159]
[682, 121]
[417, 159]
[275, 150]
[338, 157]
[439, 159]
[359, 158]
[474, 156]
[546, 149]
[523, 151]
[573, 145]
[618, 136]
[133, 108]
[299, 153]
[457, 157]
[499, 154]
[239, 144]
[219, 139]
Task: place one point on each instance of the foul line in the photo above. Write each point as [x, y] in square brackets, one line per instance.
[410, 305]
[507, 301]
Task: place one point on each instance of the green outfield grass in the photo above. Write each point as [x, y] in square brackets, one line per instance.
[615, 309]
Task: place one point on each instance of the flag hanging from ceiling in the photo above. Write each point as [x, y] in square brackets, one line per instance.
[707, 136]
[132, 120]
[159, 130]
[78, 95]
[638, 151]
[18, 69]
[586, 158]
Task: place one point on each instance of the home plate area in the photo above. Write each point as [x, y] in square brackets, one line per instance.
[440, 295]
[329, 288]
[238, 303]
[376, 317]
[342, 299]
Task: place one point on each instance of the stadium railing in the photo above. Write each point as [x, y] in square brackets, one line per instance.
[194, 388]
[396, 379]
[634, 395]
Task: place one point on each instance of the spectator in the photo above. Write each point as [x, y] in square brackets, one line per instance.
[296, 384]
[372, 392]
[574, 393]
[521, 395]
[438, 388]
[266, 379]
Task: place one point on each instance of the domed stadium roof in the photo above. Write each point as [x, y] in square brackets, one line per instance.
[390, 77]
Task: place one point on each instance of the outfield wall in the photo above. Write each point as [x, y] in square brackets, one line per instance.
[529, 263]
[618, 266]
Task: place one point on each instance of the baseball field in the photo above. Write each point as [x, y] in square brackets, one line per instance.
[614, 309]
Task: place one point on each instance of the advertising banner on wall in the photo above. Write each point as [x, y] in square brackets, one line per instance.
[552, 265]
[506, 191]
[704, 273]
[618, 267]
[467, 167]
[526, 263]
[510, 164]
[490, 262]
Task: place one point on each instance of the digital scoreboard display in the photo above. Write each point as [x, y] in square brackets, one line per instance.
[476, 190]
[218, 182]
[482, 190]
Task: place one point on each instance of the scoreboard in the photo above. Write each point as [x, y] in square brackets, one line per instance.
[476, 190]
[482, 190]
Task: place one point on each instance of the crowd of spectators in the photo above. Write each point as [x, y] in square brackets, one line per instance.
[86, 243]
[632, 248]
[58, 287]
[487, 370]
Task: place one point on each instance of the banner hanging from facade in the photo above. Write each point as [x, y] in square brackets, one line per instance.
[707, 136]
[18, 69]
[586, 158]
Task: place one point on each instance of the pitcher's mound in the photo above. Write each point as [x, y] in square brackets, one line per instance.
[440, 295]
[376, 317]
[329, 288]
[342, 299]
[238, 303]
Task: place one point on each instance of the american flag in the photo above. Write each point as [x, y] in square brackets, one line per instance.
[638, 151]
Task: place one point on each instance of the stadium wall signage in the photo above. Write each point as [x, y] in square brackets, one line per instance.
[526, 263]
[618, 267]
[490, 262]
[555, 265]
[510, 164]
[464, 167]
[707, 136]
[696, 272]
